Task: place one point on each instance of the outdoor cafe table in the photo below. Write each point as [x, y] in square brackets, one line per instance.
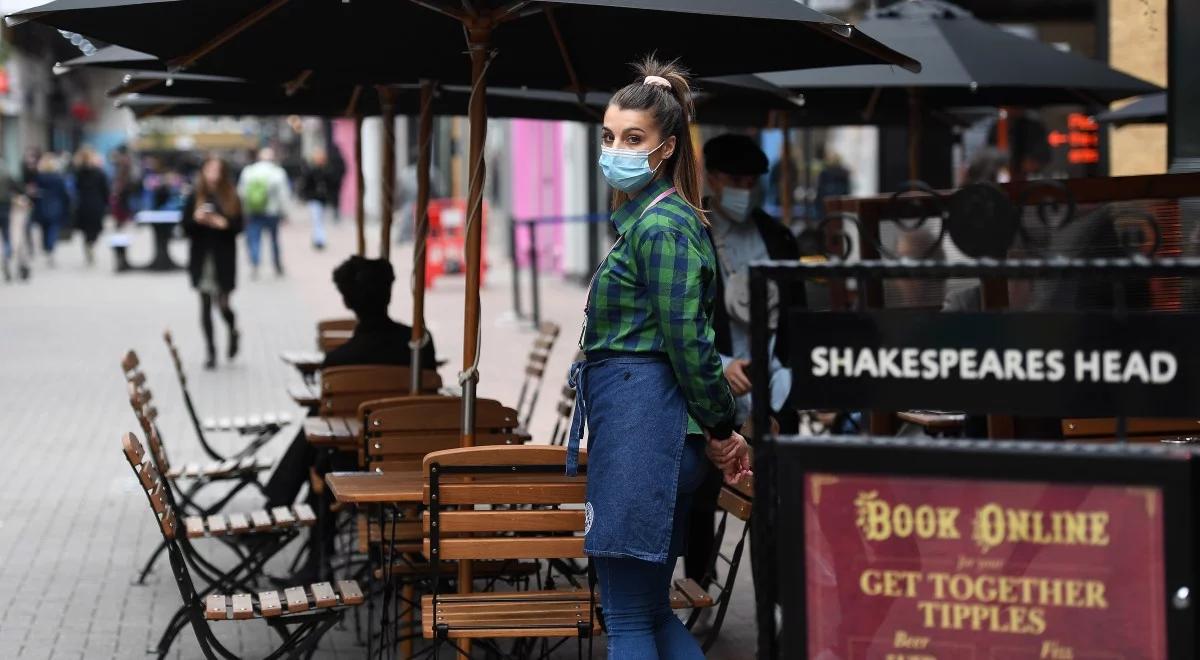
[306, 362]
[363, 488]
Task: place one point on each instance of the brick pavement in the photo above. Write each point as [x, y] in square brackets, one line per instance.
[73, 528]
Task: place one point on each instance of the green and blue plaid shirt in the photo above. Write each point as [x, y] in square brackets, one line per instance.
[656, 293]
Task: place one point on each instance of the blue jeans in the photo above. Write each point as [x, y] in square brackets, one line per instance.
[5, 237]
[254, 230]
[316, 213]
[635, 593]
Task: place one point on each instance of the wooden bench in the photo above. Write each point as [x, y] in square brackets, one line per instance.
[463, 487]
[300, 617]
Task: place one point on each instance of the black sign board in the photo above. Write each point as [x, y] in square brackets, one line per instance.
[1068, 364]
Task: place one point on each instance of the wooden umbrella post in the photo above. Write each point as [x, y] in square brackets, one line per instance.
[387, 183]
[360, 219]
[914, 134]
[424, 158]
[479, 31]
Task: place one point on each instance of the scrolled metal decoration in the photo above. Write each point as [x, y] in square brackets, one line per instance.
[1051, 197]
[829, 238]
[1136, 230]
[982, 221]
[929, 204]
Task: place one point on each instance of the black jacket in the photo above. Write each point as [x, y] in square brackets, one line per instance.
[781, 244]
[205, 240]
[91, 200]
[380, 341]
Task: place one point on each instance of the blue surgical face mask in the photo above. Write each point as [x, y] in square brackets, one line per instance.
[627, 170]
[736, 203]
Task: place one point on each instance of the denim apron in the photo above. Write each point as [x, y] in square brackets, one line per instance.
[636, 418]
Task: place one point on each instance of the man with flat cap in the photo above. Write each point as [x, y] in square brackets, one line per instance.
[741, 233]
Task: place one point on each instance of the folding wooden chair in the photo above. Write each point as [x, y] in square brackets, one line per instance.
[259, 429]
[736, 501]
[565, 409]
[476, 499]
[300, 615]
[535, 371]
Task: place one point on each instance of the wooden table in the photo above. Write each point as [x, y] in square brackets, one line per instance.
[306, 362]
[936, 422]
[376, 487]
[340, 433]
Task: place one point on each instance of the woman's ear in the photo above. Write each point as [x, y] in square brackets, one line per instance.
[669, 148]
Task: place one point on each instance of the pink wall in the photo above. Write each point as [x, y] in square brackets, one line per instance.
[343, 137]
[537, 188]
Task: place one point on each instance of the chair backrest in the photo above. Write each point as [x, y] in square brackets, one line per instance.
[326, 325]
[535, 370]
[129, 362]
[153, 485]
[175, 359]
[738, 499]
[344, 389]
[399, 433]
[460, 481]
[331, 339]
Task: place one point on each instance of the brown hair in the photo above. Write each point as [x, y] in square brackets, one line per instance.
[673, 110]
[225, 194]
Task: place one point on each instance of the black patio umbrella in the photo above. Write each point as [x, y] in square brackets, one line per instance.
[1150, 109]
[967, 62]
[546, 45]
[111, 57]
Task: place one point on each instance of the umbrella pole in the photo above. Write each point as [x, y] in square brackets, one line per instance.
[478, 35]
[359, 211]
[424, 158]
[387, 111]
[786, 188]
[914, 134]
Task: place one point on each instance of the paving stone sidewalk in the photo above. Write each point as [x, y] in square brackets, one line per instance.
[74, 530]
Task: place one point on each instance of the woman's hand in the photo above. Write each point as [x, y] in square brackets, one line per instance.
[731, 456]
[216, 221]
[735, 373]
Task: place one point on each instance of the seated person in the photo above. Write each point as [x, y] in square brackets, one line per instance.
[366, 288]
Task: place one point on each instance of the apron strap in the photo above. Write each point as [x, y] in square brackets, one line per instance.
[576, 378]
[661, 196]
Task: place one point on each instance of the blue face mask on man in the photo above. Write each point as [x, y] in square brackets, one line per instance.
[627, 170]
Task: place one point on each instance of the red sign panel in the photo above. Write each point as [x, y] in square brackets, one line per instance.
[948, 569]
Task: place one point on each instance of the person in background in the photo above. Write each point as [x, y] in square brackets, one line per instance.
[51, 203]
[741, 233]
[91, 198]
[263, 187]
[212, 218]
[9, 192]
[833, 181]
[123, 185]
[317, 189]
[366, 289]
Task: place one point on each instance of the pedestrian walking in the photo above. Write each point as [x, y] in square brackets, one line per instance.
[651, 388]
[91, 199]
[51, 203]
[212, 218]
[317, 188]
[8, 194]
[263, 188]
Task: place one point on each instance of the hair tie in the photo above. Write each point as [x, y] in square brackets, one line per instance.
[657, 80]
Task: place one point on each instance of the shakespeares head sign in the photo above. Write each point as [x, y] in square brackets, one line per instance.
[1033, 364]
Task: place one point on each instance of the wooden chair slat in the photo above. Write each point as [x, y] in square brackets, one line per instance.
[304, 514]
[158, 498]
[224, 467]
[194, 526]
[216, 524]
[130, 361]
[283, 516]
[261, 520]
[168, 524]
[323, 595]
[238, 524]
[441, 414]
[515, 493]
[349, 591]
[191, 470]
[297, 600]
[1106, 427]
[243, 606]
[216, 607]
[510, 548]
[134, 452]
[729, 500]
[696, 595]
[513, 521]
[268, 604]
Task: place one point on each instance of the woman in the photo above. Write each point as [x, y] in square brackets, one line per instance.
[652, 387]
[51, 203]
[212, 219]
[91, 195]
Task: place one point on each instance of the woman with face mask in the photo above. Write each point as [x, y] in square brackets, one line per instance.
[651, 388]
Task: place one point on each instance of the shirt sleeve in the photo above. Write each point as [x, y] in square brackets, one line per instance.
[671, 268]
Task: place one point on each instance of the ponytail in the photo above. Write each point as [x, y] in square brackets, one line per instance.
[673, 110]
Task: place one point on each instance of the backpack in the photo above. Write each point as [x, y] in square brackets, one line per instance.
[257, 195]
